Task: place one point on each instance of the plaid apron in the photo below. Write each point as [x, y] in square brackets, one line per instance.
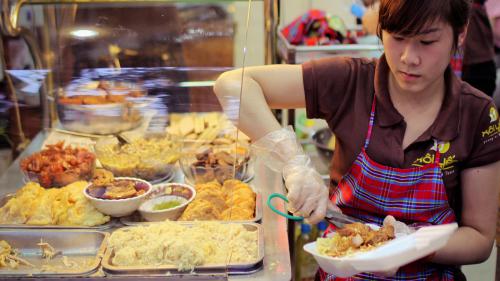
[371, 191]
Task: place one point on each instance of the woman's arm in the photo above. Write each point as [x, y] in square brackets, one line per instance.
[264, 87]
[473, 241]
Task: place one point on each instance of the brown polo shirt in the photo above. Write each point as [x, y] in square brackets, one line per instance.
[341, 90]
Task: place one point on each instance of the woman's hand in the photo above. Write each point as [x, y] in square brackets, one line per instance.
[307, 193]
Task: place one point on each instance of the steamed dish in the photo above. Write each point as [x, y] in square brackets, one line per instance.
[170, 243]
[35, 205]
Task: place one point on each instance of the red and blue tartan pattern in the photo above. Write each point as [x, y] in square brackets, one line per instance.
[370, 191]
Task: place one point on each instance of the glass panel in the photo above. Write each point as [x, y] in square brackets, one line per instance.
[128, 89]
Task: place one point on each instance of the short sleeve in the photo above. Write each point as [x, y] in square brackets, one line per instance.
[331, 84]
[486, 145]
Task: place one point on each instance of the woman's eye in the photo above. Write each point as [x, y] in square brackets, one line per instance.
[425, 42]
[397, 38]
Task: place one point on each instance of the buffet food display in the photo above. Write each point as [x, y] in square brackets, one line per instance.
[207, 219]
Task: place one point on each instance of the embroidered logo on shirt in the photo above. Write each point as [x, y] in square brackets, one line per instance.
[446, 163]
[493, 129]
[493, 114]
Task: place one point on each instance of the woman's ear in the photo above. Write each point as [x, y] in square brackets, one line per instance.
[461, 36]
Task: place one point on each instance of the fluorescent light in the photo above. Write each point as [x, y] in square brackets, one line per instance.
[196, 84]
[84, 33]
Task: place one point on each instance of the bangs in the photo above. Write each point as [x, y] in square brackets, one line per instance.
[410, 17]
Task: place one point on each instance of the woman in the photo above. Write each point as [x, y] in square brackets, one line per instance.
[413, 141]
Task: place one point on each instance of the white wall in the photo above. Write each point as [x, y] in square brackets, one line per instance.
[256, 33]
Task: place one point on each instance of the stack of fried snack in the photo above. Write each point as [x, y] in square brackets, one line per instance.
[204, 128]
[35, 205]
[234, 200]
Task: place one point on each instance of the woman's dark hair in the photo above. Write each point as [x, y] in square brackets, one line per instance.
[409, 17]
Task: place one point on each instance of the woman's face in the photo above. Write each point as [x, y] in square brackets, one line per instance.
[418, 62]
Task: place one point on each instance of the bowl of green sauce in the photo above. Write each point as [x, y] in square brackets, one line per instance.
[167, 202]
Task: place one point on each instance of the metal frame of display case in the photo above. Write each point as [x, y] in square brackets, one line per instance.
[276, 264]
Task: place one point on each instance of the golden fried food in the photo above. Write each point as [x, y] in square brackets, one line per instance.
[214, 196]
[35, 205]
[201, 210]
[102, 177]
[234, 200]
[354, 237]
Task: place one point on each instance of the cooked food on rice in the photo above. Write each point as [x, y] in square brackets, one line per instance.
[353, 238]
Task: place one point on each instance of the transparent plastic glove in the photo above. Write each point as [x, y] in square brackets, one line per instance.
[307, 193]
[277, 148]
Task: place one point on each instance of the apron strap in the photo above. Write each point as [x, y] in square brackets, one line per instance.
[370, 124]
[437, 156]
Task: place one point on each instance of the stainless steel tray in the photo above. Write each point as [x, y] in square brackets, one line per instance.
[136, 218]
[4, 198]
[232, 268]
[82, 248]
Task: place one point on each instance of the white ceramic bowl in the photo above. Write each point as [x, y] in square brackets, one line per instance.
[163, 193]
[119, 207]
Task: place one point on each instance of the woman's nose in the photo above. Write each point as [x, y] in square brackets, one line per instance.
[410, 54]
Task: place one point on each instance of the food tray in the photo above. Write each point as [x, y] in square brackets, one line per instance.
[84, 249]
[136, 219]
[298, 54]
[234, 268]
[4, 198]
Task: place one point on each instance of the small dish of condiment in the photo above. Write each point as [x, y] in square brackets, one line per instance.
[167, 202]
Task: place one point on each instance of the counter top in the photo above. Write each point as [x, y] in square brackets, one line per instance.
[276, 265]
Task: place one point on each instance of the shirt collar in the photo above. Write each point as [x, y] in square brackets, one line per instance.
[446, 125]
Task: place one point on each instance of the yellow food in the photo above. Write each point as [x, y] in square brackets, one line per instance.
[353, 238]
[9, 256]
[35, 205]
[146, 158]
[234, 200]
[170, 243]
[210, 127]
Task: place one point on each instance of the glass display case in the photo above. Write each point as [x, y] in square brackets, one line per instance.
[128, 167]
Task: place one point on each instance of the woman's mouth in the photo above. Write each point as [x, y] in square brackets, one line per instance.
[408, 77]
